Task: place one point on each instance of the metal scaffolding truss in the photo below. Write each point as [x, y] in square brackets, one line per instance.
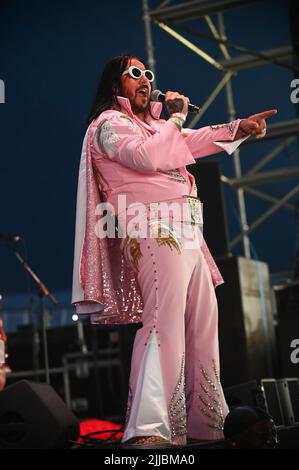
[176, 13]
[173, 18]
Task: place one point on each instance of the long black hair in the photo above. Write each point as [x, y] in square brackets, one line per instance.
[109, 82]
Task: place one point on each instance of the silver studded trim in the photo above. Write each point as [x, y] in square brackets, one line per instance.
[129, 406]
[231, 126]
[210, 399]
[177, 407]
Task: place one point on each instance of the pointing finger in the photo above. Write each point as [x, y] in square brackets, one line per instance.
[264, 114]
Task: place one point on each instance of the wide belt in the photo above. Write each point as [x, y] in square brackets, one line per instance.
[190, 212]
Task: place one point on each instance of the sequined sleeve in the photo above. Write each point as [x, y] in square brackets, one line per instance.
[106, 138]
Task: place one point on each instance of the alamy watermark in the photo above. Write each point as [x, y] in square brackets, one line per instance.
[295, 353]
[2, 92]
[152, 220]
[295, 93]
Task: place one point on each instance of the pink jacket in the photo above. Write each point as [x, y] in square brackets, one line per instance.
[146, 162]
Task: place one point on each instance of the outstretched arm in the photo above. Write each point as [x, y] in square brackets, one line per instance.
[212, 139]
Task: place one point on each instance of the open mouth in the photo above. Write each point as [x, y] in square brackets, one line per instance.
[143, 92]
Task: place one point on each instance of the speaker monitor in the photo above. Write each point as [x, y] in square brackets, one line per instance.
[33, 416]
[273, 402]
[262, 393]
[246, 330]
[289, 394]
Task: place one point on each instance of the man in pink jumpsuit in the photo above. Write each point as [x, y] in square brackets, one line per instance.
[131, 156]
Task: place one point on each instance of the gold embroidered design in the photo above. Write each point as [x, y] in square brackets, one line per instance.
[210, 399]
[165, 236]
[177, 406]
[134, 252]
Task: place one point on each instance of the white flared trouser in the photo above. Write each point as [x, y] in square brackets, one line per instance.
[175, 390]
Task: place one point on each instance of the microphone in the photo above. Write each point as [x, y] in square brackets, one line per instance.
[10, 238]
[157, 95]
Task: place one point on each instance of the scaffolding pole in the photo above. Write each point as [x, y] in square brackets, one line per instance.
[149, 40]
[231, 111]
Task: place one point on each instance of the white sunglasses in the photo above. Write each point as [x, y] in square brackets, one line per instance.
[136, 73]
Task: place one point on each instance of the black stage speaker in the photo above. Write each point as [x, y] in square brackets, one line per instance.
[287, 298]
[32, 416]
[246, 331]
[210, 192]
